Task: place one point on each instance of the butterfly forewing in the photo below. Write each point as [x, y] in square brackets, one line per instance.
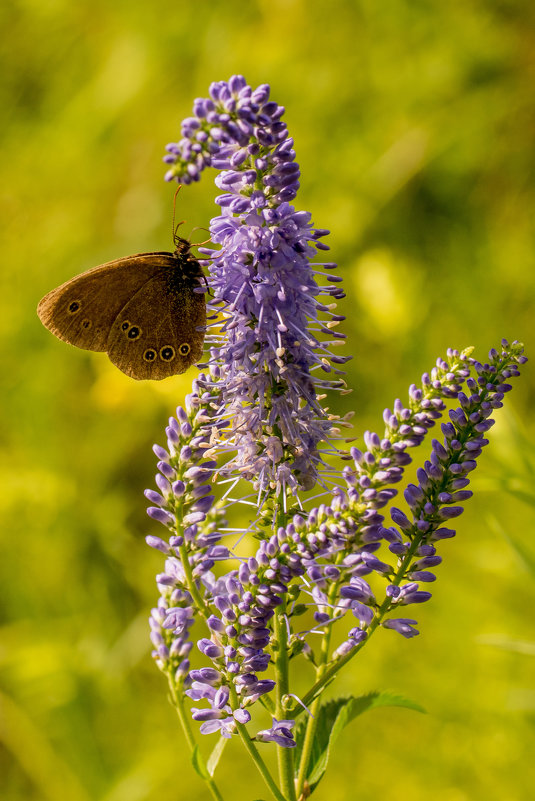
[82, 310]
[143, 310]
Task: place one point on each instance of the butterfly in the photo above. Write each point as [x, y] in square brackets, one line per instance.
[142, 310]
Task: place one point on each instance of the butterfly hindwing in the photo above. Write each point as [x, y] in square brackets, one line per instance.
[155, 333]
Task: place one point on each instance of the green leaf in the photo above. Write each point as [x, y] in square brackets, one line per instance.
[215, 756]
[199, 764]
[268, 704]
[332, 718]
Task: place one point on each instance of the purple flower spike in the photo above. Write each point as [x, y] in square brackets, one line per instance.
[264, 284]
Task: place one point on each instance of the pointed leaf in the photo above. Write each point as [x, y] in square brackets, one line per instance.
[215, 756]
[332, 718]
[197, 760]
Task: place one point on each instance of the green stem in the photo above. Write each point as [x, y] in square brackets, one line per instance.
[200, 603]
[312, 723]
[259, 762]
[284, 755]
[178, 703]
[308, 742]
[329, 672]
[254, 754]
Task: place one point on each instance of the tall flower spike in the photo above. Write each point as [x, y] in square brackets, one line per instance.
[442, 487]
[337, 540]
[442, 484]
[264, 287]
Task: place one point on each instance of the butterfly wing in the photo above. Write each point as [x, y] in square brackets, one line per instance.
[82, 310]
[155, 333]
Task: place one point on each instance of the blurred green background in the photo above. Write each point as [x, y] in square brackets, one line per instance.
[414, 124]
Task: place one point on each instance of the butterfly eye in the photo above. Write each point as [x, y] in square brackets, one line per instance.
[125, 325]
[184, 349]
[86, 324]
[167, 353]
[149, 355]
[134, 332]
[74, 307]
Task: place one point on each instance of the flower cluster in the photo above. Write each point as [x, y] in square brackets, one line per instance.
[187, 508]
[323, 553]
[433, 504]
[311, 566]
[436, 500]
[264, 286]
[243, 604]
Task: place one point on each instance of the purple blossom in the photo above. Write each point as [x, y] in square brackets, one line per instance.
[172, 647]
[358, 590]
[407, 594]
[280, 733]
[364, 614]
[226, 726]
[403, 625]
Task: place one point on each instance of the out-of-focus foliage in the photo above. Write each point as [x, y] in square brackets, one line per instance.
[414, 124]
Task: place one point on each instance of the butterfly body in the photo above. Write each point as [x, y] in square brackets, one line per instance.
[142, 310]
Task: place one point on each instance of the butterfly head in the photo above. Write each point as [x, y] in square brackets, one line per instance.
[182, 246]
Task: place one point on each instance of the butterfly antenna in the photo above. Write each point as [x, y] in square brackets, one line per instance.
[200, 228]
[177, 226]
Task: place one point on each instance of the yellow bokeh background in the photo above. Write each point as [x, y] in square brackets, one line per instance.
[413, 123]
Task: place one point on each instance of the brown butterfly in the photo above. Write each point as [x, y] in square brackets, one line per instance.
[142, 310]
